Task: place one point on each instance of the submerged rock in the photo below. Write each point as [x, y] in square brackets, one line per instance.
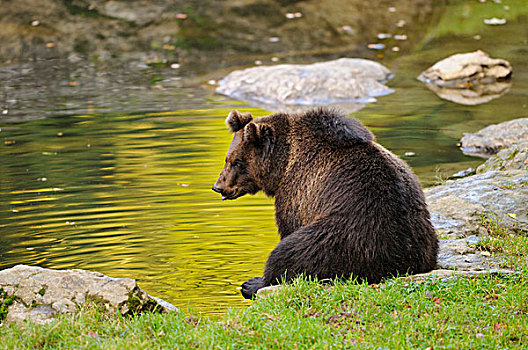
[41, 294]
[136, 11]
[457, 207]
[346, 80]
[493, 138]
[468, 78]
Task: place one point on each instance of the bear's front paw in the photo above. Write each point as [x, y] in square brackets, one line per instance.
[250, 287]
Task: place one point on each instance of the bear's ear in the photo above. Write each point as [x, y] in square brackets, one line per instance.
[236, 120]
[257, 134]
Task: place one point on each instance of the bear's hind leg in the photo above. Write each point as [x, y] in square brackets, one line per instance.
[317, 250]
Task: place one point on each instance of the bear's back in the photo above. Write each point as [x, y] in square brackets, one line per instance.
[336, 168]
[329, 126]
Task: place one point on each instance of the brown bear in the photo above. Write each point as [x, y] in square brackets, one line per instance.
[345, 206]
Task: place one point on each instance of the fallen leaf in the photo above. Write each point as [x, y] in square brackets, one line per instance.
[497, 326]
[437, 300]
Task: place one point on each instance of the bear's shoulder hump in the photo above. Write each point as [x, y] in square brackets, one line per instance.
[333, 125]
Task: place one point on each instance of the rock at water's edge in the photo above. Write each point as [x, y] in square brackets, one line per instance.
[456, 207]
[346, 80]
[40, 294]
[514, 157]
[495, 137]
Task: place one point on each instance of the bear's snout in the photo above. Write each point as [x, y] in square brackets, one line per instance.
[217, 189]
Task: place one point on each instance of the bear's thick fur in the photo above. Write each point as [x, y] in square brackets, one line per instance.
[345, 206]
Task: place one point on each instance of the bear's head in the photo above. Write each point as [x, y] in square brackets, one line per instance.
[248, 156]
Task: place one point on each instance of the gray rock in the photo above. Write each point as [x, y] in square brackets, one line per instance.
[269, 290]
[474, 66]
[346, 80]
[457, 206]
[140, 12]
[461, 254]
[136, 11]
[468, 78]
[495, 137]
[40, 294]
[463, 173]
[514, 157]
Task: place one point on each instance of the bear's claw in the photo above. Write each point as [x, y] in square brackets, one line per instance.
[250, 287]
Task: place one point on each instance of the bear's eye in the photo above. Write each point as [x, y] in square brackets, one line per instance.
[236, 164]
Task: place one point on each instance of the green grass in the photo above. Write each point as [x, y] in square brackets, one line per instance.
[485, 312]
[510, 247]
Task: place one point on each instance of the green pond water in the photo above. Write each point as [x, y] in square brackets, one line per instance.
[129, 195]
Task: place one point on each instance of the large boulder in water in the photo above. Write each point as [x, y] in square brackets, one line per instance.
[342, 81]
[39, 294]
[468, 78]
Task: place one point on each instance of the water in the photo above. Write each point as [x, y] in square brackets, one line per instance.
[129, 194]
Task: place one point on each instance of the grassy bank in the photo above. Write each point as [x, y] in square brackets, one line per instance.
[487, 312]
[468, 313]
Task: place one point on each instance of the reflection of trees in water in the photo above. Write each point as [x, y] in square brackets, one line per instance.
[49, 169]
[136, 202]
